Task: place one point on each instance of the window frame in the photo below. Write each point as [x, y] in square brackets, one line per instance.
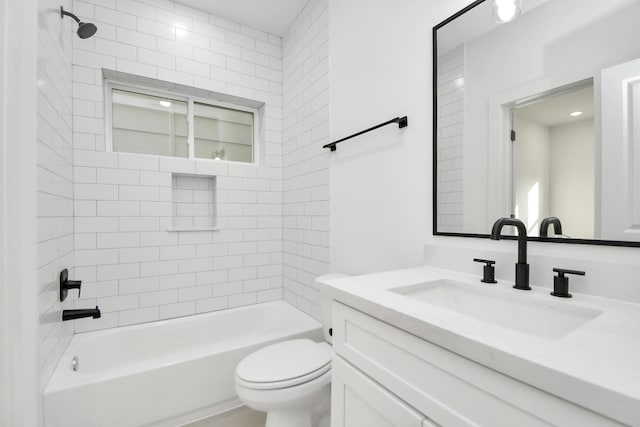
[110, 85]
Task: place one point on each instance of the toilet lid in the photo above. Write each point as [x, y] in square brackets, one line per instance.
[291, 362]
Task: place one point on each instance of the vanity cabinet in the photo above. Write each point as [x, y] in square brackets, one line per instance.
[357, 400]
[384, 376]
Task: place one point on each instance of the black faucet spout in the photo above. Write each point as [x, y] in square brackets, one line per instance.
[79, 314]
[544, 226]
[522, 268]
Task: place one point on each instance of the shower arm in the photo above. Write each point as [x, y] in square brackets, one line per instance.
[64, 12]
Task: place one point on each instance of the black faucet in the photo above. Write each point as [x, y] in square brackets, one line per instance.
[544, 226]
[66, 284]
[522, 268]
[79, 314]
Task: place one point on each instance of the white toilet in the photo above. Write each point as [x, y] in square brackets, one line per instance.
[291, 380]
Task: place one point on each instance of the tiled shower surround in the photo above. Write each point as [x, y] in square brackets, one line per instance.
[305, 84]
[135, 261]
[451, 140]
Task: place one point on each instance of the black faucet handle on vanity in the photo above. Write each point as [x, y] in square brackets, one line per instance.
[489, 271]
[66, 284]
[561, 282]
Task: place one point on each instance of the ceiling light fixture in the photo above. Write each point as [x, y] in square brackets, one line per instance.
[166, 104]
[575, 113]
[506, 10]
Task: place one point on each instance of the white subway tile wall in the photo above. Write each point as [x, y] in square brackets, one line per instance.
[450, 140]
[55, 180]
[305, 74]
[131, 265]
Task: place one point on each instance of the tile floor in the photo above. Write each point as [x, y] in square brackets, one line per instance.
[239, 417]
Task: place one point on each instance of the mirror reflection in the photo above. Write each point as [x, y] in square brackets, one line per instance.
[535, 120]
[553, 163]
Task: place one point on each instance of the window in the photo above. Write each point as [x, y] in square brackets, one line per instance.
[148, 124]
[159, 123]
[222, 133]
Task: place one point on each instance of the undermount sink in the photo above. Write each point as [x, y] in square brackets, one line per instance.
[505, 307]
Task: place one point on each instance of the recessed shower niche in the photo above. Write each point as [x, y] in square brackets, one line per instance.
[193, 202]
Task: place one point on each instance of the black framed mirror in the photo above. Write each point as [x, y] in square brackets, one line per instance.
[539, 119]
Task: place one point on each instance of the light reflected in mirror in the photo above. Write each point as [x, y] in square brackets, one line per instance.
[527, 76]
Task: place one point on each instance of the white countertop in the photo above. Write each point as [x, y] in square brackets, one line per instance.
[596, 366]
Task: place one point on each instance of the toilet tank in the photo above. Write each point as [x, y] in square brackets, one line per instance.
[324, 304]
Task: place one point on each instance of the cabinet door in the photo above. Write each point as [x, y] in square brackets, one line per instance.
[357, 400]
[620, 201]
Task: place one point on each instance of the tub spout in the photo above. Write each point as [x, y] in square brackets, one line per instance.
[79, 314]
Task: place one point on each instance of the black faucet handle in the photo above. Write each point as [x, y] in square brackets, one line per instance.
[562, 271]
[489, 270]
[66, 284]
[561, 282]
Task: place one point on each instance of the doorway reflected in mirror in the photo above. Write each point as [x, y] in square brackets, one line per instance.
[553, 162]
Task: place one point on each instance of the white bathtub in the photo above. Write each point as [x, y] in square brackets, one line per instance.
[165, 373]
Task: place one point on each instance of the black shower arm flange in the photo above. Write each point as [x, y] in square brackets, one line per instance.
[64, 12]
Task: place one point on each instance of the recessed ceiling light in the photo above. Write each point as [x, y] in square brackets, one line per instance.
[165, 103]
[576, 114]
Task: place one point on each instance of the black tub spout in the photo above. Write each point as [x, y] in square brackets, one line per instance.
[79, 314]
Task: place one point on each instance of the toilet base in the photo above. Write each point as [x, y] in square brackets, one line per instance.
[318, 416]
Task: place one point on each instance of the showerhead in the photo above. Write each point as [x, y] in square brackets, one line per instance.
[85, 29]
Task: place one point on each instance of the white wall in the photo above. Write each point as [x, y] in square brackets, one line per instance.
[19, 338]
[573, 177]
[305, 70]
[380, 182]
[55, 180]
[132, 267]
[380, 59]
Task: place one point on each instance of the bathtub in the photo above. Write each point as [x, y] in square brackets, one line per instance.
[165, 373]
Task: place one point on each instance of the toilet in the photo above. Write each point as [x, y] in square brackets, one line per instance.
[291, 380]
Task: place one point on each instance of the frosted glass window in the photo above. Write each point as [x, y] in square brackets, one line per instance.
[223, 133]
[163, 122]
[148, 124]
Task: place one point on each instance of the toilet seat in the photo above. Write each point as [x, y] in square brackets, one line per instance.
[283, 365]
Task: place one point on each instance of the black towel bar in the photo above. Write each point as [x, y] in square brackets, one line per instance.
[402, 123]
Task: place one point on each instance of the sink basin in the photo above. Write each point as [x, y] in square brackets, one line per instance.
[505, 307]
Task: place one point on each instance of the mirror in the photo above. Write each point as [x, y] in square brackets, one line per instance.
[539, 119]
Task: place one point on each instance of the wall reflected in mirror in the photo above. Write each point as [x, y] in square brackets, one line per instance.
[559, 57]
[553, 162]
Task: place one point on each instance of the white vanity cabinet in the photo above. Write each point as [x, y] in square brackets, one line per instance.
[357, 400]
[384, 376]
